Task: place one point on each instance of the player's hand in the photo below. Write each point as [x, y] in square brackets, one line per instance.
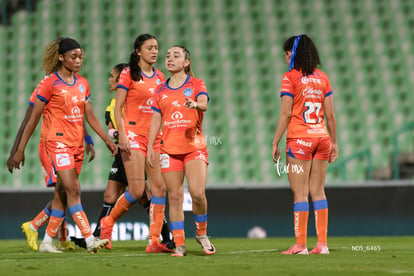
[150, 156]
[190, 103]
[123, 142]
[10, 163]
[334, 153]
[112, 147]
[18, 158]
[90, 150]
[275, 152]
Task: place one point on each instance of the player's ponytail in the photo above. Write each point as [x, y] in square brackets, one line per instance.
[50, 59]
[304, 55]
[135, 69]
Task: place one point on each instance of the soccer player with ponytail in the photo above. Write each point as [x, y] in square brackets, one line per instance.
[64, 99]
[307, 112]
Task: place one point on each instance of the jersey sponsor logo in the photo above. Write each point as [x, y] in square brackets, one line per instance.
[151, 90]
[303, 143]
[176, 116]
[164, 97]
[188, 92]
[81, 88]
[306, 80]
[141, 81]
[133, 144]
[310, 92]
[285, 78]
[164, 161]
[175, 103]
[150, 101]
[201, 156]
[114, 170]
[300, 151]
[62, 159]
[63, 91]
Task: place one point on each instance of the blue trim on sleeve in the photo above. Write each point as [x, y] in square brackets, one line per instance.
[328, 94]
[129, 197]
[177, 225]
[122, 87]
[75, 208]
[31, 104]
[158, 200]
[320, 204]
[155, 109]
[200, 218]
[43, 99]
[57, 213]
[203, 93]
[301, 207]
[286, 94]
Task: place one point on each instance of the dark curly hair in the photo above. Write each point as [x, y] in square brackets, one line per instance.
[306, 57]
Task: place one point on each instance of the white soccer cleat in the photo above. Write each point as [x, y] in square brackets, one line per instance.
[208, 247]
[96, 244]
[48, 247]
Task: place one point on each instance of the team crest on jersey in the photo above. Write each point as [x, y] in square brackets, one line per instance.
[158, 81]
[188, 92]
[81, 88]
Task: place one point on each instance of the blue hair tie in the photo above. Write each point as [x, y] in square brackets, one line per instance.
[293, 56]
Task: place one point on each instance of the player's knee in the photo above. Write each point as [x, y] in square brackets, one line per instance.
[175, 199]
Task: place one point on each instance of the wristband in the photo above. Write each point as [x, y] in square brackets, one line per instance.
[89, 140]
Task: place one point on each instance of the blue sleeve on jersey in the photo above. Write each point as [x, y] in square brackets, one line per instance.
[156, 109]
[43, 99]
[122, 87]
[286, 94]
[203, 93]
[31, 104]
[328, 94]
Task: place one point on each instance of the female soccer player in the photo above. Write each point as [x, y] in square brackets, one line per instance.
[179, 105]
[64, 97]
[117, 181]
[306, 97]
[133, 116]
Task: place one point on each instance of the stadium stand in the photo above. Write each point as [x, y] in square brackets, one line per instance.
[365, 47]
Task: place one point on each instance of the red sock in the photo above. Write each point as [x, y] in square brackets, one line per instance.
[41, 219]
[156, 214]
[121, 207]
[63, 234]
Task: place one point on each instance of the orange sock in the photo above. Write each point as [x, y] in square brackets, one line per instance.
[177, 229]
[122, 206]
[156, 214]
[201, 224]
[79, 217]
[321, 220]
[301, 214]
[41, 219]
[55, 220]
[63, 234]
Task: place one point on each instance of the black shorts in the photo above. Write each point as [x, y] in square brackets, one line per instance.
[117, 172]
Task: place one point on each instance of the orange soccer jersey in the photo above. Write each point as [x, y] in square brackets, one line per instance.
[137, 109]
[65, 107]
[308, 93]
[181, 126]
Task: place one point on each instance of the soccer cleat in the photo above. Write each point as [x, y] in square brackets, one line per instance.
[180, 251]
[296, 249]
[106, 232]
[169, 244]
[48, 247]
[320, 248]
[65, 246]
[208, 248]
[78, 241]
[96, 244]
[157, 248]
[31, 235]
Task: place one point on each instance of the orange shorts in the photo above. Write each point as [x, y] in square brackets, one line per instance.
[309, 148]
[140, 143]
[65, 157]
[47, 168]
[175, 162]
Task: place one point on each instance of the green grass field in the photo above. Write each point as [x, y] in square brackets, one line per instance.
[349, 256]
